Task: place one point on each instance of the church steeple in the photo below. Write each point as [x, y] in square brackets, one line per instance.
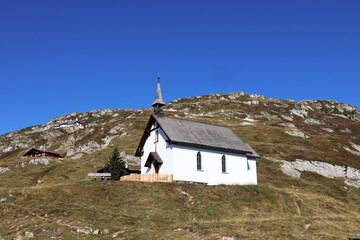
[158, 103]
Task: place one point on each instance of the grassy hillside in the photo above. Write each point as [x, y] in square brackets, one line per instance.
[58, 201]
[284, 209]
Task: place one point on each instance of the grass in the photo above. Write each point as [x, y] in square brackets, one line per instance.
[155, 210]
[54, 201]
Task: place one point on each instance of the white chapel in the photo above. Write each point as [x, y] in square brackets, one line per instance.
[194, 152]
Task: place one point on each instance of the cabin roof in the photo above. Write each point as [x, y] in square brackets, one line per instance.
[38, 151]
[197, 134]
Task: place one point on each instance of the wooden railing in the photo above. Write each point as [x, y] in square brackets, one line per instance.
[148, 177]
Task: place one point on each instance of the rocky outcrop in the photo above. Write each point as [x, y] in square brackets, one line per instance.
[293, 131]
[130, 159]
[355, 146]
[4, 169]
[314, 121]
[297, 133]
[77, 156]
[294, 169]
[37, 161]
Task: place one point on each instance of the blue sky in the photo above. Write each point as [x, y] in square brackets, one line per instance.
[59, 57]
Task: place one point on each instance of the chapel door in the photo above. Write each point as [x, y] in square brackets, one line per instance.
[156, 167]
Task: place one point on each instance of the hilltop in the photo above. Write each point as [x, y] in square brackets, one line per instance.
[308, 175]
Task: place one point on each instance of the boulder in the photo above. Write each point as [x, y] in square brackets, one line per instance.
[29, 234]
[77, 156]
[38, 161]
[297, 133]
[4, 169]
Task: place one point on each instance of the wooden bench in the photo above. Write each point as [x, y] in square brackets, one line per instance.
[102, 176]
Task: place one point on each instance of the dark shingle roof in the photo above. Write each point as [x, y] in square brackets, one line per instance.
[197, 134]
[38, 151]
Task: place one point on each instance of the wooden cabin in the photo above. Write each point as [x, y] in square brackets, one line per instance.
[40, 153]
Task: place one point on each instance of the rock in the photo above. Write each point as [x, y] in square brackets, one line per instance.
[352, 151]
[71, 129]
[290, 125]
[70, 151]
[299, 112]
[353, 183]
[3, 200]
[38, 161]
[356, 116]
[29, 235]
[97, 231]
[178, 229]
[318, 105]
[269, 116]
[130, 158]
[328, 130]
[289, 118]
[256, 96]
[355, 146]
[324, 169]
[4, 169]
[117, 128]
[290, 171]
[247, 124]
[313, 121]
[293, 169]
[89, 147]
[297, 133]
[85, 230]
[107, 140]
[253, 102]
[345, 107]
[281, 105]
[249, 119]
[77, 156]
[117, 233]
[352, 173]
[346, 130]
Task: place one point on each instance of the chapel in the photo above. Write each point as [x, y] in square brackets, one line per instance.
[194, 152]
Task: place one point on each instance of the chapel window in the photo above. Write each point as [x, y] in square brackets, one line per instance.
[223, 164]
[198, 161]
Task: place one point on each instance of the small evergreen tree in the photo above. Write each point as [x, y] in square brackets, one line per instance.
[115, 165]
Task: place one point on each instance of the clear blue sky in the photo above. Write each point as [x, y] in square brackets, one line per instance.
[64, 56]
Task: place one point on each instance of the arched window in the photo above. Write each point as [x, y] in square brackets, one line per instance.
[223, 164]
[198, 161]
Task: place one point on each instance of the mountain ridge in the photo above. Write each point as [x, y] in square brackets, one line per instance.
[24, 139]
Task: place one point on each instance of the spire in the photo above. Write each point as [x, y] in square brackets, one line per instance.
[158, 103]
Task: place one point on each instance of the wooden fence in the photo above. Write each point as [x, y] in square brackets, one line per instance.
[148, 177]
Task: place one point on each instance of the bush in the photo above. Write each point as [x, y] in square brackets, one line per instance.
[115, 165]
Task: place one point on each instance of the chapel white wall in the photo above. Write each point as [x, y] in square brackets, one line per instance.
[239, 169]
[162, 148]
